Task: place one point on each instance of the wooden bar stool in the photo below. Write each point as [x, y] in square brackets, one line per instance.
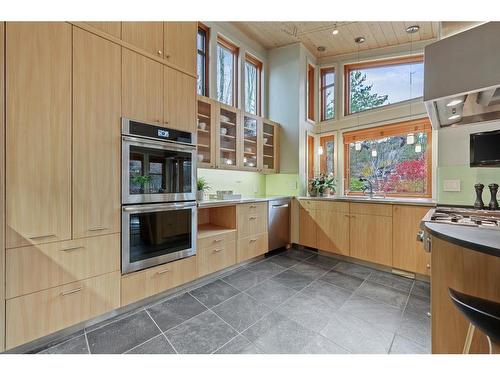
[481, 313]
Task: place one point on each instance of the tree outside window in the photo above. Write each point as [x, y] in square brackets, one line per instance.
[327, 94]
[226, 72]
[253, 68]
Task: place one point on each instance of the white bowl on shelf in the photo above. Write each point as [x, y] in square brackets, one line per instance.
[265, 140]
[200, 158]
[202, 126]
[223, 131]
[224, 118]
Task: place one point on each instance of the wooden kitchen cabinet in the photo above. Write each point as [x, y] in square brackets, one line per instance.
[216, 252]
[270, 146]
[179, 40]
[96, 135]
[252, 230]
[179, 100]
[151, 281]
[307, 227]
[251, 247]
[370, 237]
[113, 28]
[407, 253]
[147, 36]
[38, 314]
[228, 135]
[38, 132]
[206, 112]
[332, 232]
[251, 142]
[142, 87]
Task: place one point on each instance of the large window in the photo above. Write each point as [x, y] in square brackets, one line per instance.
[227, 78]
[310, 92]
[327, 94]
[253, 69]
[396, 159]
[379, 83]
[202, 59]
[327, 154]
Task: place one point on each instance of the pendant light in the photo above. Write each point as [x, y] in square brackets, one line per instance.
[320, 150]
[357, 146]
[335, 30]
[418, 148]
[410, 138]
[374, 153]
[359, 40]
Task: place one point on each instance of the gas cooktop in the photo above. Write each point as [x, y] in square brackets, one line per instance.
[465, 216]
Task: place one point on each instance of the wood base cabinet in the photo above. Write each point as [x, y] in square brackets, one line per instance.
[38, 132]
[333, 228]
[215, 253]
[38, 314]
[146, 283]
[252, 230]
[308, 227]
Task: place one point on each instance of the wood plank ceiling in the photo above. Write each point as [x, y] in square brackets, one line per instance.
[316, 34]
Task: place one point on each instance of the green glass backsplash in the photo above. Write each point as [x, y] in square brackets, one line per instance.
[251, 184]
[468, 177]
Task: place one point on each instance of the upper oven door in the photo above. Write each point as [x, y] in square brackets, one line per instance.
[156, 171]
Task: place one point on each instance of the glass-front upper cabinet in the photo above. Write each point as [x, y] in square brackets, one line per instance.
[206, 129]
[251, 138]
[270, 147]
[227, 137]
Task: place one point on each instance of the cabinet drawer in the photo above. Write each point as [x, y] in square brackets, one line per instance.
[216, 256]
[216, 240]
[371, 209]
[309, 204]
[143, 284]
[333, 206]
[259, 208]
[252, 224]
[33, 268]
[252, 247]
[39, 314]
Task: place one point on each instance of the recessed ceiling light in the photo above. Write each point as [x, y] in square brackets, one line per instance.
[454, 102]
[321, 49]
[412, 29]
[360, 39]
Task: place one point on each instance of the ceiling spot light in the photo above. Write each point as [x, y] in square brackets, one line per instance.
[320, 150]
[412, 29]
[418, 148]
[321, 48]
[374, 153]
[410, 139]
[357, 146]
[454, 102]
[360, 39]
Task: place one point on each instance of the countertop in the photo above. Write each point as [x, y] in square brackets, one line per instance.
[484, 240]
[229, 202]
[388, 200]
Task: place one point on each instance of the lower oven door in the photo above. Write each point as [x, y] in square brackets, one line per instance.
[154, 234]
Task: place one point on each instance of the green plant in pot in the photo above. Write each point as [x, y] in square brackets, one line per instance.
[143, 181]
[202, 187]
[322, 185]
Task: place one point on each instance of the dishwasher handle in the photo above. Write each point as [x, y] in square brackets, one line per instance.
[280, 205]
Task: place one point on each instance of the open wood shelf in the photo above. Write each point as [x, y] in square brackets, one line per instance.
[209, 230]
[227, 123]
[203, 115]
[227, 149]
[203, 131]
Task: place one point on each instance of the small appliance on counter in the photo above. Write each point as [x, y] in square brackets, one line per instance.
[159, 210]
[227, 195]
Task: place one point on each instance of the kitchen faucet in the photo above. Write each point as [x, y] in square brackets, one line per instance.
[361, 179]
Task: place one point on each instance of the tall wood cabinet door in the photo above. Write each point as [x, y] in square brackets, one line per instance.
[307, 228]
[147, 36]
[180, 100]
[38, 147]
[2, 188]
[408, 254]
[113, 28]
[96, 135]
[180, 44]
[142, 91]
[371, 238]
[333, 231]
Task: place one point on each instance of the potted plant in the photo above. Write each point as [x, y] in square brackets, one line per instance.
[203, 187]
[143, 181]
[321, 185]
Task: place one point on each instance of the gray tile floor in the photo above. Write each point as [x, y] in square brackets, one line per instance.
[294, 302]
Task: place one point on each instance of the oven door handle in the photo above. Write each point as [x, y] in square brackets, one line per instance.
[158, 207]
[166, 145]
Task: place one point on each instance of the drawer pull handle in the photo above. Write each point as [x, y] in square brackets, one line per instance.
[42, 236]
[253, 206]
[428, 266]
[95, 229]
[72, 248]
[253, 240]
[217, 251]
[162, 272]
[71, 291]
[346, 216]
[252, 218]
[219, 240]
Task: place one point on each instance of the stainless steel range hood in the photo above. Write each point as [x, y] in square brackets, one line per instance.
[462, 77]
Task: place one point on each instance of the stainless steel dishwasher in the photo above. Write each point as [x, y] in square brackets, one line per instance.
[279, 223]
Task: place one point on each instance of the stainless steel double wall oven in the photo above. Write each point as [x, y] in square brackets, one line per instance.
[159, 214]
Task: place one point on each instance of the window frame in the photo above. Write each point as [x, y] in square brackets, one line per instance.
[235, 50]
[310, 157]
[373, 64]
[258, 65]
[322, 158]
[323, 87]
[206, 55]
[397, 129]
[311, 72]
